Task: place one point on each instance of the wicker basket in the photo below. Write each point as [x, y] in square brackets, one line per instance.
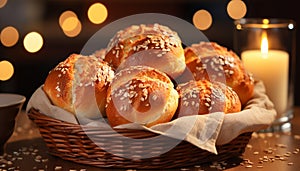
[69, 142]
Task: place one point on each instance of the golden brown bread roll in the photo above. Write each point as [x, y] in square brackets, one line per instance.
[79, 85]
[152, 45]
[141, 94]
[204, 97]
[211, 61]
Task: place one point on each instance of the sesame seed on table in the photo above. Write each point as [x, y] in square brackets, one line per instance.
[26, 150]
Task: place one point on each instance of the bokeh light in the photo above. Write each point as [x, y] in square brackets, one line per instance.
[6, 70]
[33, 42]
[97, 13]
[236, 9]
[291, 26]
[238, 26]
[9, 36]
[75, 32]
[265, 23]
[63, 16]
[2, 3]
[70, 24]
[202, 19]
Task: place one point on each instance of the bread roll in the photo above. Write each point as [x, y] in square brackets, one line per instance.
[152, 45]
[100, 53]
[141, 94]
[210, 61]
[204, 97]
[79, 85]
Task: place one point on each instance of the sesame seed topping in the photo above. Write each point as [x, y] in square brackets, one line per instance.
[154, 97]
[57, 88]
[185, 103]
[156, 37]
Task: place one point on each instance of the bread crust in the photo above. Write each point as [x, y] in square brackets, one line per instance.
[143, 95]
[211, 61]
[79, 85]
[152, 45]
[204, 97]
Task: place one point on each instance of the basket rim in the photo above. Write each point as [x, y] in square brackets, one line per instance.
[53, 132]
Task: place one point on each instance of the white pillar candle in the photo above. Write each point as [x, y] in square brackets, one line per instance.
[272, 68]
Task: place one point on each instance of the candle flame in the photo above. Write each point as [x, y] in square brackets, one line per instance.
[264, 45]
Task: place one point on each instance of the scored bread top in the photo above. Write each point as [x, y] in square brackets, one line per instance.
[204, 97]
[141, 94]
[77, 78]
[152, 45]
[211, 61]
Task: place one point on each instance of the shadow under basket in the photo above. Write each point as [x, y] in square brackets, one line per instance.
[72, 142]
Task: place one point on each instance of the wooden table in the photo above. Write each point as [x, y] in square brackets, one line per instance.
[26, 150]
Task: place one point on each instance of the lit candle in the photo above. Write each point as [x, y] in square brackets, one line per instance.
[270, 66]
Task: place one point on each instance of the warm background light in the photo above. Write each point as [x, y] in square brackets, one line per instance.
[266, 21]
[236, 9]
[238, 26]
[202, 19]
[264, 45]
[70, 24]
[97, 13]
[6, 70]
[63, 16]
[74, 32]
[2, 3]
[9, 36]
[33, 42]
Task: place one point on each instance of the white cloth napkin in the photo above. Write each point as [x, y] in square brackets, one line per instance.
[203, 131]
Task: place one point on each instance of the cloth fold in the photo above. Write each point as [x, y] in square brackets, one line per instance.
[203, 131]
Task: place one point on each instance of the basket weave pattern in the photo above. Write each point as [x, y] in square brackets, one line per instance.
[70, 142]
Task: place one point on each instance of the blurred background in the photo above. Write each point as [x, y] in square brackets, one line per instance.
[37, 34]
